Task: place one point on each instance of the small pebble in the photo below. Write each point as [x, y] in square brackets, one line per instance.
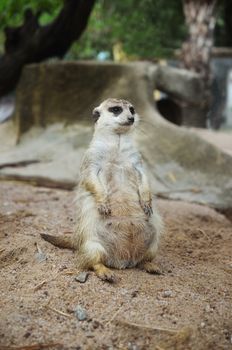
[27, 334]
[62, 267]
[167, 293]
[95, 324]
[80, 313]
[134, 293]
[89, 335]
[202, 324]
[132, 346]
[40, 257]
[82, 277]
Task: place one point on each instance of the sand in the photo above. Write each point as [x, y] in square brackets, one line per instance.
[188, 307]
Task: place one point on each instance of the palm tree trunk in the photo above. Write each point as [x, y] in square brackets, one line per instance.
[196, 51]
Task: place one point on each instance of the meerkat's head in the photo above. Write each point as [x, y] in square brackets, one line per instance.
[115, 114]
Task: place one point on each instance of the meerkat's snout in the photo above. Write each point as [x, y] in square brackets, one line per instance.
[131, 120]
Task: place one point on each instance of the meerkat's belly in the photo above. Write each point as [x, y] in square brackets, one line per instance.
[123, 191]
[126, 241]
[127, 233]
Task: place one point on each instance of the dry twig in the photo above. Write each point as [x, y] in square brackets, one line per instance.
[40, 285]
[203, 233]
[58, 311]
[113, 317]
[144, 326]
[158, 348]
[32, 347]
[70, 273]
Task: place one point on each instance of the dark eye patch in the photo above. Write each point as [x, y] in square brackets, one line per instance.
[132, 110]
[116, 110]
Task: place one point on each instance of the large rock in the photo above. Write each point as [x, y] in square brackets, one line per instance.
[54, 104]
[68, 91]
[182, 84]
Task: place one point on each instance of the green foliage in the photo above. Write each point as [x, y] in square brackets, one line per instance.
[146, 28]
[11, 11]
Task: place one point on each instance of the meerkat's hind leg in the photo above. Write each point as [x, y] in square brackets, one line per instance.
[148, 264]
[92, 258]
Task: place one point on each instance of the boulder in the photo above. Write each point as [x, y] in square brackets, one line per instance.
[182, 84]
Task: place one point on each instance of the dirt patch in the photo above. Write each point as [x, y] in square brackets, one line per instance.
[188, 307]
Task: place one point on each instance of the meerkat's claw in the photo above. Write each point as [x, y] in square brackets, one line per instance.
[109, 277]
[151, 267]
[104, 209]
[147, 208]
[104, 273]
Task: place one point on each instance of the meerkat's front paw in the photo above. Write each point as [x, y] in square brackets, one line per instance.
[104, 209]
[147, 207]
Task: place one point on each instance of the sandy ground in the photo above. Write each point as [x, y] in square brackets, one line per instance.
[188, 307]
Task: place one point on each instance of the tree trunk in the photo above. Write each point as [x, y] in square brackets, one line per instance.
[31, 43]
[196, 51]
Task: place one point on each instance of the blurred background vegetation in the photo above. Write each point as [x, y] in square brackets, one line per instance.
[145, 29]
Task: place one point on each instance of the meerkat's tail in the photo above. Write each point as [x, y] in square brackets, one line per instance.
[59, 241]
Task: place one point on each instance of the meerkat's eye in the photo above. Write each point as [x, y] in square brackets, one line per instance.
[132, 110]
[116, 110]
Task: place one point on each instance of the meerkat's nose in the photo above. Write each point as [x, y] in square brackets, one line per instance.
[131, 120]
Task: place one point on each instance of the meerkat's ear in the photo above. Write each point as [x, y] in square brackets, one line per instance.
[95, 114]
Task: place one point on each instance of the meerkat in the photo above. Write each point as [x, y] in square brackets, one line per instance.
[118, 226]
